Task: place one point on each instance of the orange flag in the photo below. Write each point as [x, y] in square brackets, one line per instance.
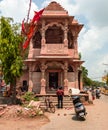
[37, 15]
[36, 18]
[26, 43]
[23, 27]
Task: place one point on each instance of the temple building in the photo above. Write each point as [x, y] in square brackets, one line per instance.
[53, 58]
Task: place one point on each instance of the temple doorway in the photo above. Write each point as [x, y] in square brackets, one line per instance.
[53, 80]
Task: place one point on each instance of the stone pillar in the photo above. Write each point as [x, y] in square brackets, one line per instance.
[30, 54]
[43, 40]
[43, 33]
[65, 38]
[43, 81]
[30, 88]
[65, 34]
[65, 78]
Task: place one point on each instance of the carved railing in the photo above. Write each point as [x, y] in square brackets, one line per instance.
[54, 49]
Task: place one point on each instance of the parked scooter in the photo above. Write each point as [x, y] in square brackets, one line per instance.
[98, 95]
[80, 109]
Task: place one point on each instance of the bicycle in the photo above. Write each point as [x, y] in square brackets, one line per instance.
[50, 107]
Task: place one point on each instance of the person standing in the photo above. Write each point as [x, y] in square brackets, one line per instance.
[60, 94]
[93, 94]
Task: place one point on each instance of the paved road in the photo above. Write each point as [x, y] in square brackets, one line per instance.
[97, 118]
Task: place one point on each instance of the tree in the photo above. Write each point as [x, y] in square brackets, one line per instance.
[10, 53]
[107, 79]
[86, 80]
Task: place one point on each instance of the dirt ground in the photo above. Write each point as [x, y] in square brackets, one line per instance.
[10, 120]
[22, 123]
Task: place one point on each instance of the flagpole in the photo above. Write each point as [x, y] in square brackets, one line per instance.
[29, 11]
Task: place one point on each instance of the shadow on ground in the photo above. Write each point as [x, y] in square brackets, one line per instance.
[75, 118]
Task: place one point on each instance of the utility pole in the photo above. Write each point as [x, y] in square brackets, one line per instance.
[28, 11]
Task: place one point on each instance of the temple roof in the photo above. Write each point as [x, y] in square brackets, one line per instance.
[55, 9]
[54, 6]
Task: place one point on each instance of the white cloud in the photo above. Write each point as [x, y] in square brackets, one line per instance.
[93, 39]
[17, 9]
[94, 10]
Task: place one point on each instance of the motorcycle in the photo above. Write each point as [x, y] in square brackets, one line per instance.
[98, 95]
[80, 109]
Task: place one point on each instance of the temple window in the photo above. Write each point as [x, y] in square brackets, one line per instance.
[36, 40]
[54, 35]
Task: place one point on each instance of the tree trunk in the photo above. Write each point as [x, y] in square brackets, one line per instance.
[14, 92]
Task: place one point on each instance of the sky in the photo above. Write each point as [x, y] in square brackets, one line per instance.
[92, 40]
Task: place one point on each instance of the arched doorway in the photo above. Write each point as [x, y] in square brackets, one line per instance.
[53, 80]
[54, 75]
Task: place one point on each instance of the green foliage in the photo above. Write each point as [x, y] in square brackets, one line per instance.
[28, 96]
[107, 80]
[10, 51]
[86, 80]
[97, 83]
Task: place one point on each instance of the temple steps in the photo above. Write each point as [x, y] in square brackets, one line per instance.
[67, 102]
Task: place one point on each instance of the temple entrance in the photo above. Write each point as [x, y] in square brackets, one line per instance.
[53, 80]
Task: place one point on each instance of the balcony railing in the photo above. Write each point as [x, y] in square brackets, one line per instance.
[54, 49]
